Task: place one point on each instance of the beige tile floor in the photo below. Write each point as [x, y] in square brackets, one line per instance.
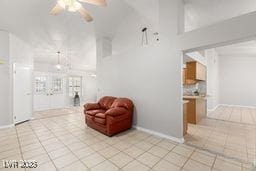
[56, 112]
[234, 114]
[231, 139]
[65, 143]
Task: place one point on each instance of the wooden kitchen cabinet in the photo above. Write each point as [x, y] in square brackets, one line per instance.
[184, 76]
[185, 120]
[196, 110]
[185, 80]
[195, 71]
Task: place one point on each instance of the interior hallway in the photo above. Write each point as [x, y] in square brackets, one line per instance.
[232, 139]
[234, 114]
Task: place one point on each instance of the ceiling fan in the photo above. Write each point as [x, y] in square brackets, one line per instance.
[75, 6]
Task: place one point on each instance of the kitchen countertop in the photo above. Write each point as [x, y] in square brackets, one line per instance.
[185, 101]
[194, 97]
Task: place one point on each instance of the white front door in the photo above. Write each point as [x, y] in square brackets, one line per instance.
[41, 95]
[50, 91]
[22, 93]
[57, 91]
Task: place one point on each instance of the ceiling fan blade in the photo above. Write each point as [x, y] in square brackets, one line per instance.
[96, 2]
[56, 10]
[84, 13]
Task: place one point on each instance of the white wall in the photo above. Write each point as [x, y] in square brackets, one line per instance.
[212, 78]
[237, 80]
[129, 32]
[150, 76]
[90, 89]
[44, 67]
[5, 86]
[13, 50]
[21, 52]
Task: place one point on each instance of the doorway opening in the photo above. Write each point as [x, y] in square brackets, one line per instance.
[220, 104]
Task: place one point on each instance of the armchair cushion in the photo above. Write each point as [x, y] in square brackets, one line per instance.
[100, 121]
[101, 115]
[106, 102]
[91, 106]
[116, 111]
[94, 112]
[122, 102]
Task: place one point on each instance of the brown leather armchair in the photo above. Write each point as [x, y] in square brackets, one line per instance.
[110, 115]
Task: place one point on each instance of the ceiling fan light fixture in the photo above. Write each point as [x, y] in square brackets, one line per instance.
[75, 6]
[62, 4]
[71, 9]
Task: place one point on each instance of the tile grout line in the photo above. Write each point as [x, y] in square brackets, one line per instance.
[162, 158]
[19, 144]
[65, 146]
[187, 159]
[9, 144]
[135, 158]
[88, 155]
[43, 147]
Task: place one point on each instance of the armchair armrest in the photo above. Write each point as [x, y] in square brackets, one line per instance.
[91, 106]
[116, 111]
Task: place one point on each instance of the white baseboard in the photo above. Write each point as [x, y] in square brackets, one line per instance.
[7, 126]
[213, 109]
[230, 105]
[178, 140]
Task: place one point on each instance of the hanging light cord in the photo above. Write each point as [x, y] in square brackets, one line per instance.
[58, 57]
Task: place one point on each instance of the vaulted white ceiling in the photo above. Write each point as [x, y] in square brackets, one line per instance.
[199, 13]
[67, 32]
[30, 20]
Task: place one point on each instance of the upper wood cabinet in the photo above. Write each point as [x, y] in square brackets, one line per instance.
[184, 75]
[196, 71]
[185, 80]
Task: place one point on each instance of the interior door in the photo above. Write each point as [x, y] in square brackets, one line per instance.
[50, 91]
[57, 91]
[22, 93]
[41, 92]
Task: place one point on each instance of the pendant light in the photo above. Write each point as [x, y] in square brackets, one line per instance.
[58, 66]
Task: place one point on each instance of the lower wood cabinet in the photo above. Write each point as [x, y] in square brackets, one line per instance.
[196, 110]
[185, 122]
